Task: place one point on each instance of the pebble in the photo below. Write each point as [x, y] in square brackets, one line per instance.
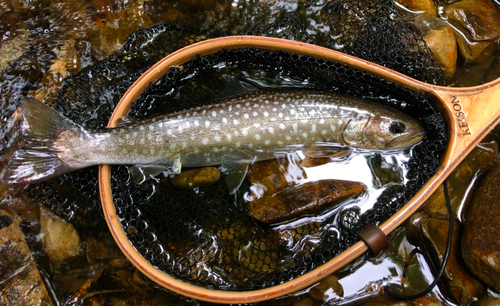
[196, 178]
[477, 28]
[59, 238]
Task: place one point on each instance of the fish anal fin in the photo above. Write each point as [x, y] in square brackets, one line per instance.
[141, 173]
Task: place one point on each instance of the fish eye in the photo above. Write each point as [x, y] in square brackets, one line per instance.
[397, 127]
[332, 186]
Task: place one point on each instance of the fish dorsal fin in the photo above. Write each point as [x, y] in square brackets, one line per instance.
[141, 173]
[326, 150]
[125, 120]
[236, 166]
[236, 87]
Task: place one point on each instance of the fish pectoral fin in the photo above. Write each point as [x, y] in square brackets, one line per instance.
[125, 120]
[326, 150]
[236, 168]
[141, 173]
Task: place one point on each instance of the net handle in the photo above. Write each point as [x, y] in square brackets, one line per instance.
[479, 107]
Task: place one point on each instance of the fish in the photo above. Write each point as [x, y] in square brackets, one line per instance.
[232, 132]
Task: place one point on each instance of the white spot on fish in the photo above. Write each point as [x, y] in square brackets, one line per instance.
[207, 123]
[313, 128]
[321, 121]
[214, 114]
[244, 132]
[246, 116]
[292, 111]
[235, 121]
[254, 114]
[267, 142]
[160, 124]
[152, 151]
[238, 144]
[179, 116]
[282, 126]
[270, 130]
[256, 125]
[224, 120]
[196, 150]
[280, 115]
[257, 137]
[141, 128]
[238, 106]
[266, 114]
[196, 123]
[323, 132]
[295, 127]
[280, 142]
[151, 128]
[142, 141]
[229, 136]
[217, 138]
[288, 138]
[304, 135]
[204, 141]
[333, 127]
[184, 144]
[230, 108]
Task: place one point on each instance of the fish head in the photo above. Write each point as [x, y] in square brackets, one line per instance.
[389, 131]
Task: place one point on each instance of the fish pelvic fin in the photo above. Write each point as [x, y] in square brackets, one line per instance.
[41, 125]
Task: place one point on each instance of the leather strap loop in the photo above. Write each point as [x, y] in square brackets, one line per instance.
[374, 238]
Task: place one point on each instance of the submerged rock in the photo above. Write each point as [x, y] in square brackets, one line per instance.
[20, 281]
[456, 281]
[296, 200]
[11, 50]
[427, 7]
[440, 39]
[477, 28]
[60, 239]
[196, 178]
[329, 283]
[462, 180]
[480, 243]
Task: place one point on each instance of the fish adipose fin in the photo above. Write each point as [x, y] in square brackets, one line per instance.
[236, 169]
[41, 125]
[141, 173]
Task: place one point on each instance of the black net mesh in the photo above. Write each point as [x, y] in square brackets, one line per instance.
[205, 235]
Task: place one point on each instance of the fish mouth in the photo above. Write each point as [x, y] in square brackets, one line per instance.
[406, 141]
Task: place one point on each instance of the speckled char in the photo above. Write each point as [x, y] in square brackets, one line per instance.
[232, 132]
[252, 125]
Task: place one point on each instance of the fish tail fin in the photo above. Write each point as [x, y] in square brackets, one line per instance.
[41, 125]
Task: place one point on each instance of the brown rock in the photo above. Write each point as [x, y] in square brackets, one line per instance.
[11, 50]
[477, 27]
[457, 281]
[20, 281]
[427, 7]
[487, 301]
[318, 292]
[196, 178]
[480, 243]
[478, 161]
[440, 39]
[296, 200]
[59, 238]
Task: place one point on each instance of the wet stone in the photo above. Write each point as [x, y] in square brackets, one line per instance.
[457, 281]
[196, 178]
[477, 162]
[487, 301]
[427, 7]
[20, 281]
[59, 238]
[440, 38]
[480, 246]
[11, 50]
[296, 200]
[477, 26]
[327, 287]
